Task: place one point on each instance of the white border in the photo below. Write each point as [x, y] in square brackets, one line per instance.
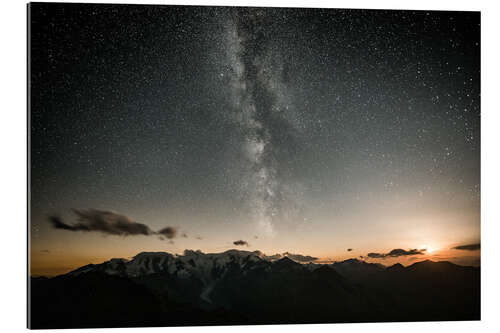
[13, 166]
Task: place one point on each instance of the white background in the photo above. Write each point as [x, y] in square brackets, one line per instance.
[13, 180]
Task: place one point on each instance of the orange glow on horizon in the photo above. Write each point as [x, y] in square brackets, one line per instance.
[55, 263]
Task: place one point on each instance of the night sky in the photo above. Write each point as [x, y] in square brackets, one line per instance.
[311, 131]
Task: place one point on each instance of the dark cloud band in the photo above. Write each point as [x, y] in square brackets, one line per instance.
[469, 247]
[110, 223]
[395, 253]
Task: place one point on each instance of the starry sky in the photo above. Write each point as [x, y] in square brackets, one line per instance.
[331, 133]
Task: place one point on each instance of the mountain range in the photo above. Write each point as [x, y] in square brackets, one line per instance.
[243, 287]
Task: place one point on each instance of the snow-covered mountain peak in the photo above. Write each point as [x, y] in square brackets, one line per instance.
[191, 263]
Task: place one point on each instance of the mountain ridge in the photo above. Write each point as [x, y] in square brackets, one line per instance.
[248, 287]
[150, 262]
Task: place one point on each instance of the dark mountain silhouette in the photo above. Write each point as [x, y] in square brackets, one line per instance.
[395, 267]
[242, 287]
[286, 264]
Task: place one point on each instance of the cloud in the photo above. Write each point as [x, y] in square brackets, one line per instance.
[241, 243]
[57, 223]
[299, 257]
[349, 250]
[169, 232]
[396, 253]
[401, 252]
[109, 223]
[468, 247]
[375, 255]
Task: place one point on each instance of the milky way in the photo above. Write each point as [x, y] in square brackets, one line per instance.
[316, 130]
[259, 99]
